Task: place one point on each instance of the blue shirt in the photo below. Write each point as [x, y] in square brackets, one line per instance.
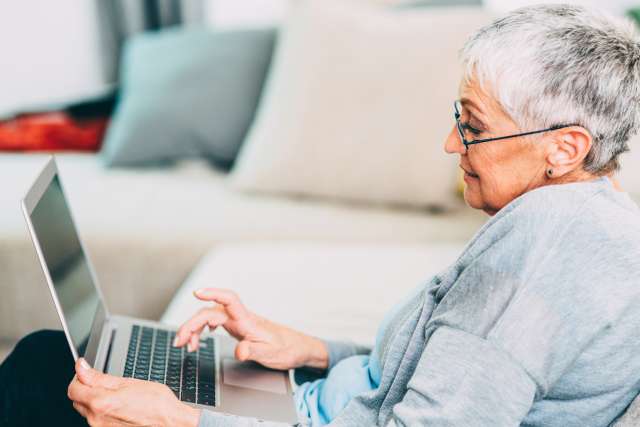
[320, 401]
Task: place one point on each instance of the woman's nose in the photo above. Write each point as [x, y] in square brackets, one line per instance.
[453, 144]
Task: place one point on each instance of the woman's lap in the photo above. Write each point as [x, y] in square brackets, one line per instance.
[34, 380]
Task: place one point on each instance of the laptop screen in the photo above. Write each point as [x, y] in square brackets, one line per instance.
[66, 262]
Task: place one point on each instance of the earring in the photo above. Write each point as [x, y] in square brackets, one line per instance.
[549, 173]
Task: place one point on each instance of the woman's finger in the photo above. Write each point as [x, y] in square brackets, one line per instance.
[243, 351]
[196, 323]
[226, 298]
[81, 393]
[194, 340]
[211, 317]
[81, 409]
[94, 378]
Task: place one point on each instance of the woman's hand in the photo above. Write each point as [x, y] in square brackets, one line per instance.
[105, 400]
[272, 345]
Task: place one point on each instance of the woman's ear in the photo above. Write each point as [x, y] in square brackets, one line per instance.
[567, 150]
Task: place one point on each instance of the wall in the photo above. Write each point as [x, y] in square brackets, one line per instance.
[49, 52]
[618, 7]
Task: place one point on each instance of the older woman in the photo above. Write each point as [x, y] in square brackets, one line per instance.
[536, 322]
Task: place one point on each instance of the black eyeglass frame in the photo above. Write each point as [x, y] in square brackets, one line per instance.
[466, 143]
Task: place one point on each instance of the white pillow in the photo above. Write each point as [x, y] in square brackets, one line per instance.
[234, 14]
[358, 104]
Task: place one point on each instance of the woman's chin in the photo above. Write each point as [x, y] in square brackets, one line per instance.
[472, 197]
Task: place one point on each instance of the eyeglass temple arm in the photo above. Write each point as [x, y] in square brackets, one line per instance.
[479, 141]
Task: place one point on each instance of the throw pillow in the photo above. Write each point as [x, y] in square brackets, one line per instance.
[358, 104]
[186, 93]
[51, 131]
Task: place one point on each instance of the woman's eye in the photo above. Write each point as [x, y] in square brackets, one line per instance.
[471, 129]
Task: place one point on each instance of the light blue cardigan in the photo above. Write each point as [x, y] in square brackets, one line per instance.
[536, 324]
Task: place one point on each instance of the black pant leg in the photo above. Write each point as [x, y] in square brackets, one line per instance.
[33, 383]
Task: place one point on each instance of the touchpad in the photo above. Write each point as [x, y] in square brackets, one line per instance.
[251, 375]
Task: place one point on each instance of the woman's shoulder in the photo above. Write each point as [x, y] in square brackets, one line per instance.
[595, 204]
[585, 234]
[572, 225]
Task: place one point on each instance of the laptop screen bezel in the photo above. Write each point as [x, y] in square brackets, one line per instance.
[28, 204]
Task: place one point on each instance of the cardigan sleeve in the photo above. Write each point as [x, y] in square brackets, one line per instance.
[339, 350]
[214, 419]
[460, 380]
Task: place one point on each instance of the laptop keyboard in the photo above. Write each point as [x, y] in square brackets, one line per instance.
[191, 376]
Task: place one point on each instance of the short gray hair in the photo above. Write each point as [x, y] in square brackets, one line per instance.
[551, 65]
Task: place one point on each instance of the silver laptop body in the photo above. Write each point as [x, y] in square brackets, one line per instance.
[107, 341]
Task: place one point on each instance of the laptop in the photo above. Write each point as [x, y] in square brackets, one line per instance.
[210, 378]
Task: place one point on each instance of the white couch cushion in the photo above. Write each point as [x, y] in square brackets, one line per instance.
[358, 103]
[327, 290]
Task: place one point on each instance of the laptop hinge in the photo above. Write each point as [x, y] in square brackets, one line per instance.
[104, 341]
[111, 340]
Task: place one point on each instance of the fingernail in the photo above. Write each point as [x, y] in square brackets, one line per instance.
[197, 292]
[189, 348]
[175, 341]
[84, 364]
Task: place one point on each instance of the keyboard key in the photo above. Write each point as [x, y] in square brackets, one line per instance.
[190, 376]
[205, 398]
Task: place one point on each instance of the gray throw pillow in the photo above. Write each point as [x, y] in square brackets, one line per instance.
[187, 93]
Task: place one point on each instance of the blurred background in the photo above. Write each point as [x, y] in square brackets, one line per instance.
[56, 52]
[275, 147]
[68, 50]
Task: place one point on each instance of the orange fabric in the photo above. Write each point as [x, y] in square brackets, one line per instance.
[51, 132]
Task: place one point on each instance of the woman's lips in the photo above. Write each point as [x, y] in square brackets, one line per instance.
[468, 173]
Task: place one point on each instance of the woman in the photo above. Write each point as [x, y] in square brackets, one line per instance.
[536, 322]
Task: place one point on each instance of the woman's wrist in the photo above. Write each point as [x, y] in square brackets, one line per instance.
[184, 416]
[317, 354]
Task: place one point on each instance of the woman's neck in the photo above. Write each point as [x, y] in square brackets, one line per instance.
[615, 182]
[584, 176]
[572, 177]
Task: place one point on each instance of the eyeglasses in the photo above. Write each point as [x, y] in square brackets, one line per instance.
[457, 106]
